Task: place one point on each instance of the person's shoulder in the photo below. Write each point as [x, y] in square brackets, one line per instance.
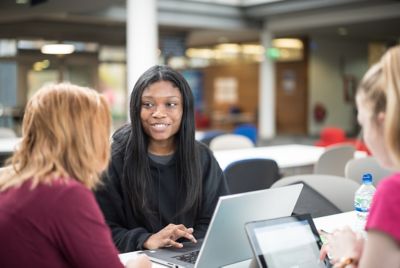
[390, 184]
[206, 156]
[203, 149]
[66, 188]
[121, 135]
[119, 140]
[52, 198]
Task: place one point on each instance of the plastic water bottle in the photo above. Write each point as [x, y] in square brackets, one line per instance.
[362, 200]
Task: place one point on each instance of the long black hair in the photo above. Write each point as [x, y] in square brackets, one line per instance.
[136, 175]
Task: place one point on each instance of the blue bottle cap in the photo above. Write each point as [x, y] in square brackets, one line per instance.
[367, 178]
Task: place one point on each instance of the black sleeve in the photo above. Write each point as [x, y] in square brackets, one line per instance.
[127, 234]
[214, 186]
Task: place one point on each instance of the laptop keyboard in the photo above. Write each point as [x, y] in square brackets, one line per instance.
[190, 257]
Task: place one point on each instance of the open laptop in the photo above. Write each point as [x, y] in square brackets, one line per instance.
[286, 242]
[225, 241]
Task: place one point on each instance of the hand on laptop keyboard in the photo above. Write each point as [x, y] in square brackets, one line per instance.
[190, 257]
[168, 235]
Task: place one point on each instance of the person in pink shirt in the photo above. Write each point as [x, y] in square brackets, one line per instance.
[48, 214]
[378, 103]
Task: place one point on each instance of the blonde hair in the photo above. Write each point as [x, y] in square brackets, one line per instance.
[65, 134]
[391, 75]
[373, 89]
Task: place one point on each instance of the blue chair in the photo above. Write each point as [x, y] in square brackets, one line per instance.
[248, 130]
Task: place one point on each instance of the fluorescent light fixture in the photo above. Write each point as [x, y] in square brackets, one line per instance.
[291, 43]
[253, 49]
[204, 53]
[21, 2]
[58, 49]
[229, 48]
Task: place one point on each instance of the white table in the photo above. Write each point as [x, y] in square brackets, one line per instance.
[8, 145]
[327, 223]
[288, 157]
[292, 155]
[332, 222]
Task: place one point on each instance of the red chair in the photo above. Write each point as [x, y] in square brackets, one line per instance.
[330, 136]
[360, 146]
[201, 120]
[334, 135]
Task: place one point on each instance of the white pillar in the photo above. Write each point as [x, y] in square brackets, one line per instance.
[142, 38]
[266, 113]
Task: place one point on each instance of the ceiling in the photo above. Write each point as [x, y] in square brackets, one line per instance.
[237, 2]
[203, 22]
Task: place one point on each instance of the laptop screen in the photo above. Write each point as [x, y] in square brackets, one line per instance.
[286, 242]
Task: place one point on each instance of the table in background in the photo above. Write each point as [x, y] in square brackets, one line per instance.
[7, 147]
[292, 158]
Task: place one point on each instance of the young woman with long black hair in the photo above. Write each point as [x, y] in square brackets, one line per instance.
[161, 184]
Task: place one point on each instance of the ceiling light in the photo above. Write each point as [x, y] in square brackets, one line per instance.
[292, 43]
[253, 49]
[230, 48]
[21, 2]
[58, 49]
[205, 53]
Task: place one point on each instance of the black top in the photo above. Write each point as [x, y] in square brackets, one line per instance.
[129, 233]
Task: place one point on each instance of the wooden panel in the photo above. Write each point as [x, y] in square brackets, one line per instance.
[291, 98]
[247, 77]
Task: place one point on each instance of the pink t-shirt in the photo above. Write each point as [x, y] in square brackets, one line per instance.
[58, 225]
[385, 210]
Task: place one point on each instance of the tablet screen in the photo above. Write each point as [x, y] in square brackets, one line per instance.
[291, 242]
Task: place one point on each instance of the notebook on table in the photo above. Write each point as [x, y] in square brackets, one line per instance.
[225, 241]
[286, 242]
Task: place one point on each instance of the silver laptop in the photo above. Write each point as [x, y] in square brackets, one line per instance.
[226, 241]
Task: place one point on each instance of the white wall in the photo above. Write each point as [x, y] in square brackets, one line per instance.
[329, 60]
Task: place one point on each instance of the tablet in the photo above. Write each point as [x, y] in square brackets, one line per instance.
[291, 242]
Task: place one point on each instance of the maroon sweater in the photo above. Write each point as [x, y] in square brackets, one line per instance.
[57, 225]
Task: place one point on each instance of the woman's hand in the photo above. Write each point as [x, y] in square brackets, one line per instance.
[343, 243]
[167, 237]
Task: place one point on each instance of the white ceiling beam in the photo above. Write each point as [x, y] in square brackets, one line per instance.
[335, 17]
[283, 7]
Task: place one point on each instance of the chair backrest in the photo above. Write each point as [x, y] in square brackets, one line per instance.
[248, 130]
[3, 158]
[334, 159]
[339, 191]
[330, 136]
[251, 175]
[230, 141]
[208, 136]
[355, 168]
